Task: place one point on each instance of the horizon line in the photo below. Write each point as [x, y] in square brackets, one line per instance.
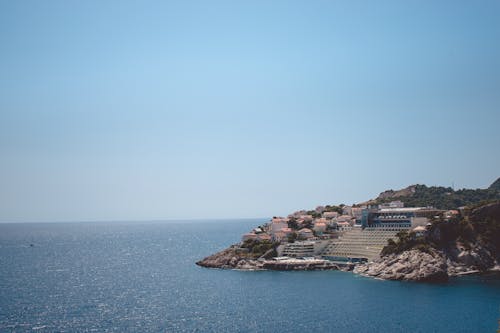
[138, 220]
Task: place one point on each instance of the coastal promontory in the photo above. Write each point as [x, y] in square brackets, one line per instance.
[415, 234]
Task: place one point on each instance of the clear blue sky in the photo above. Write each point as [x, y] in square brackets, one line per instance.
[129, 110]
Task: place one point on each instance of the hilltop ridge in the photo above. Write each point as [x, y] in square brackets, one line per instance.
[439, 197]
[495, 185]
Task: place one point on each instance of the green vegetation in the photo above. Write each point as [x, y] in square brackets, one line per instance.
[313, 213]
[338, 209]
[445, 197]
[292, 224]
[478, 225]
[486, 223]
[258, 248]
[292, 237]
[406, 241]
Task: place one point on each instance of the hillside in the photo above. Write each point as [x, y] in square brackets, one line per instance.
[495, 185]
[478, 225]
[439, 197]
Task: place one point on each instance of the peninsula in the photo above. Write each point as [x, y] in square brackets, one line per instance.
[418, 233]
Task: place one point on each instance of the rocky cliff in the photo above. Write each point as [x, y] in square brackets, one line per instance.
[432, 266]
[410, 266]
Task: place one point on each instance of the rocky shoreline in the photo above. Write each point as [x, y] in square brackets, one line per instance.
[432, 266]
[413, 265]
[450, 246]
[408, 266]
[231, 259]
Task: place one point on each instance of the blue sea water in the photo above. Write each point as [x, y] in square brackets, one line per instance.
[141, 277]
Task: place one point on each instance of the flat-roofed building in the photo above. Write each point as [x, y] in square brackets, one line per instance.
[399, 218]
[304, 248]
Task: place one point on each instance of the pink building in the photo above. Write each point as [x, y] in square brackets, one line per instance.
[319, 227]
[305, 233]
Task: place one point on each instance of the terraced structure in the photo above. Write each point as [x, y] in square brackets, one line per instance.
[359, 244]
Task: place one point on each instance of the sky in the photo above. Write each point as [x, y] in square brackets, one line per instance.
[150, 110]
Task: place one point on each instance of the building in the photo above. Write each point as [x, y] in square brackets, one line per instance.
[392, 204]
[343, 226]
[254, 236]
[299, 249]
[345, 218]
[278, 224]
[321, 220]
[357, 212]
[358, 244]
[279, 236]
[398, 218]
[304, 248]
[378, 225]
[319, 227]
[347, 210]
[305, 233]
[282, 235]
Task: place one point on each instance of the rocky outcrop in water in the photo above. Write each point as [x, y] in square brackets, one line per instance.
[230, 258]
[435, 266]
[409, 266]
[413, 265]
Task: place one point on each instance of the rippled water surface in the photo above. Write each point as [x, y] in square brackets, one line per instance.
[141, 277]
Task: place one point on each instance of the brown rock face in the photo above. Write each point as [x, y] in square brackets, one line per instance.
[415, 265]
[399, 193]
[409, 266]
[487, 211]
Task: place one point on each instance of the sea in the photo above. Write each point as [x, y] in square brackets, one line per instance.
[142, 277]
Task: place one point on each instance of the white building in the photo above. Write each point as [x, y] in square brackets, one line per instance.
[304, 249]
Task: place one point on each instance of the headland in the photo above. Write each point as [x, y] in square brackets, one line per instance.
[443, 233]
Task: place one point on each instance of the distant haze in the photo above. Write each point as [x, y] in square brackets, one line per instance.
[131, 110]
